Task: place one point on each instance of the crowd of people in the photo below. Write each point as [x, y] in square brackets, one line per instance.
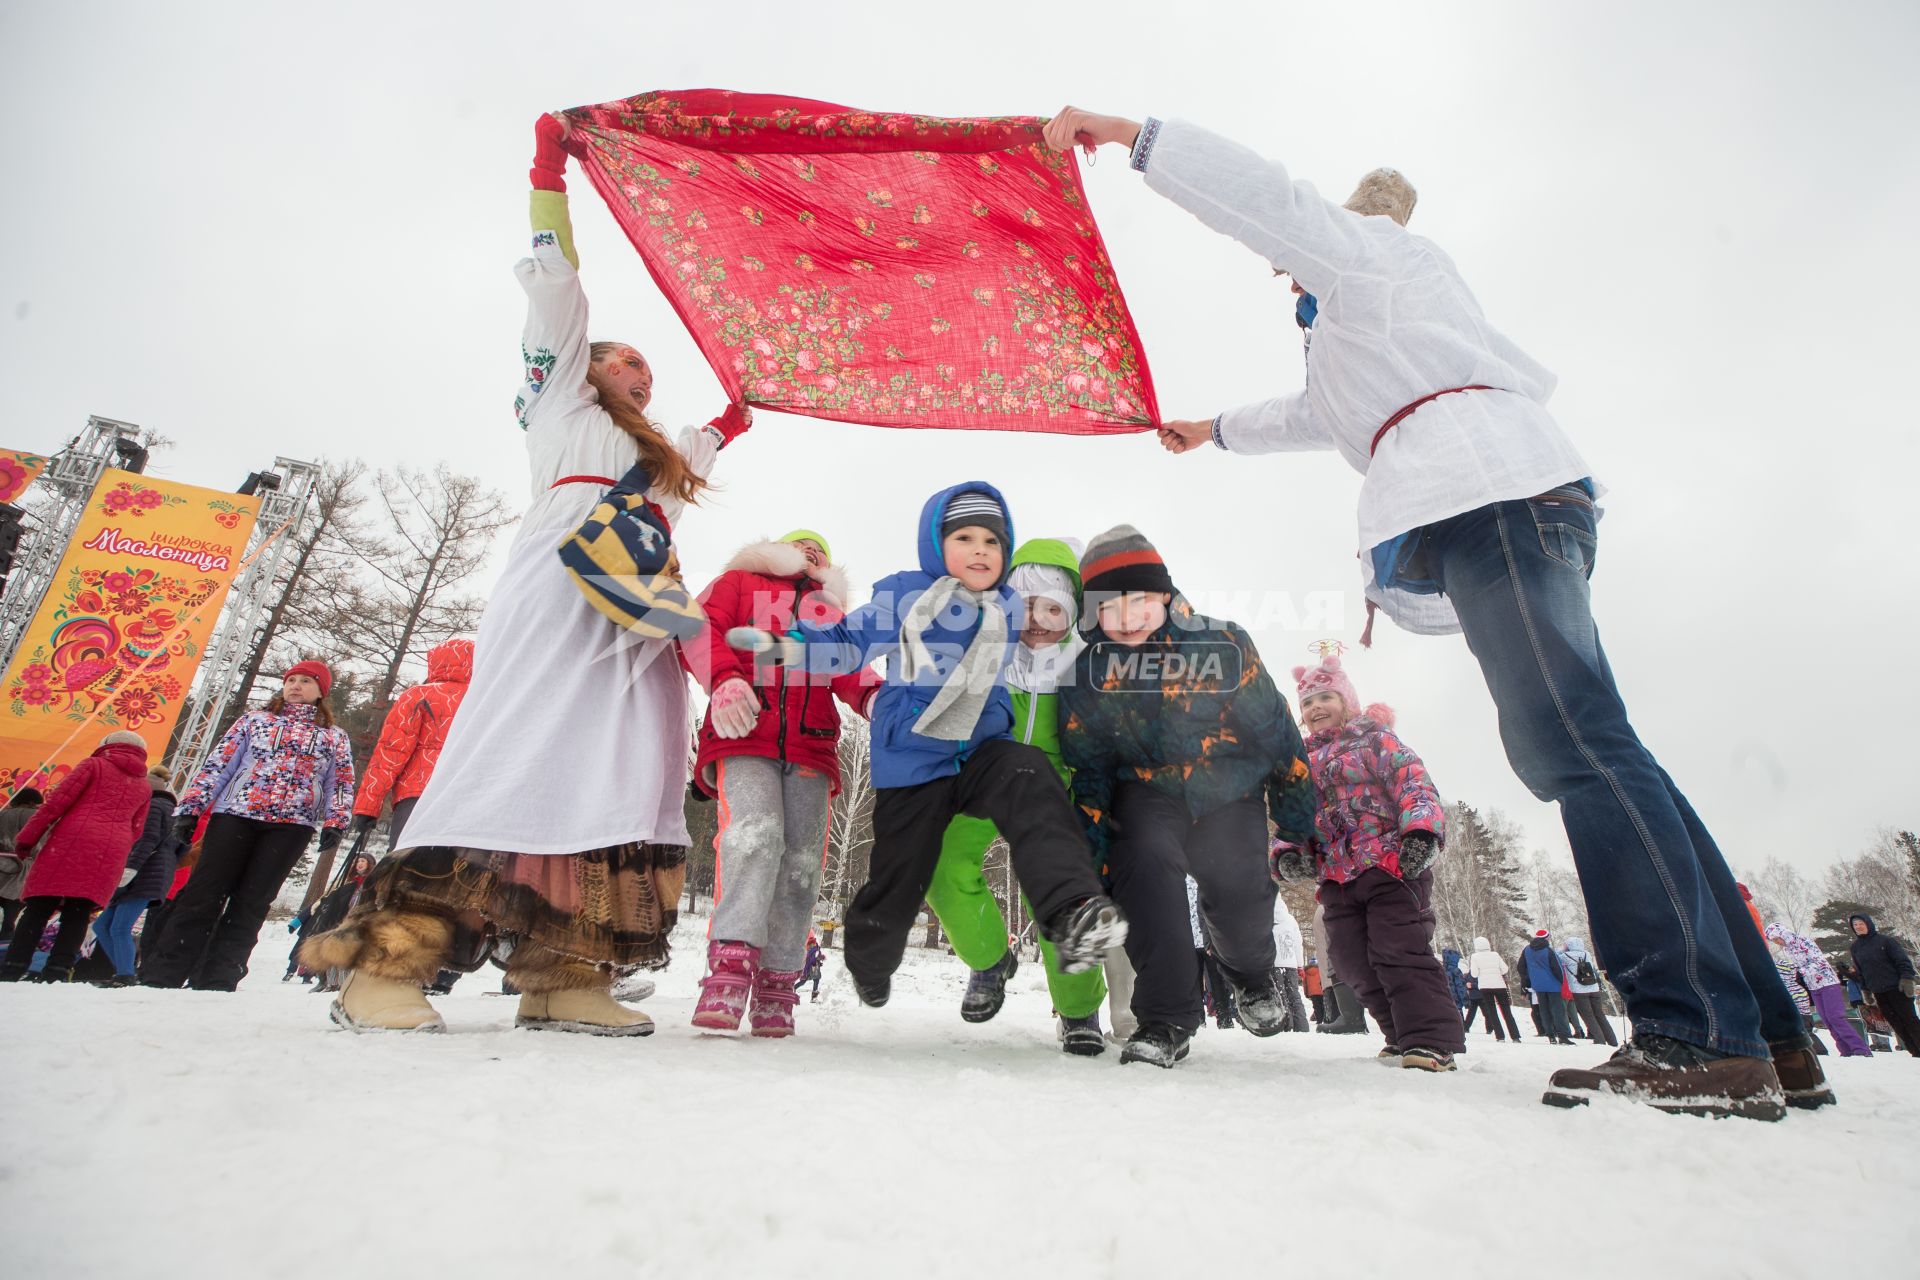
[1138, 759]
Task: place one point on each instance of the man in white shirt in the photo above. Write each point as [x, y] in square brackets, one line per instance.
[1478, 515]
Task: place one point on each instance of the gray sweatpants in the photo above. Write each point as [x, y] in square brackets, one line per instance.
[773, 837]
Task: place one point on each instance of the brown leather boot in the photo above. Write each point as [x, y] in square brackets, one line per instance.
[1671, 1075]
[1801, 1079]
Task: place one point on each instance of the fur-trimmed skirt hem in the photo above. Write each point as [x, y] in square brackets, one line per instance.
[612, 908]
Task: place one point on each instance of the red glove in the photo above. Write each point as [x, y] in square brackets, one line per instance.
[733, 423]
[549, 171]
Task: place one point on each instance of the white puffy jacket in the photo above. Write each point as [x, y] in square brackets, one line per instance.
[1485, 966]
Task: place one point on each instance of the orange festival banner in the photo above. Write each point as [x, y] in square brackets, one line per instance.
[119, 636]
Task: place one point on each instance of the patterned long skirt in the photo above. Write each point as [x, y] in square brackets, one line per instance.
[611, 908]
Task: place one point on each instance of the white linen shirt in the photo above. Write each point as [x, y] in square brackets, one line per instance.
[1395, 323]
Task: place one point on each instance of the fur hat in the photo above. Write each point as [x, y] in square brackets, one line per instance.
[315, 668]
[124, 738]
[1384, 193]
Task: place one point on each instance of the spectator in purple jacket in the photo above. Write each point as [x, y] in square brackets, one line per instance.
[278, 775]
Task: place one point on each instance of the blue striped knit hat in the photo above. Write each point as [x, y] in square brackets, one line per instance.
[972, 507]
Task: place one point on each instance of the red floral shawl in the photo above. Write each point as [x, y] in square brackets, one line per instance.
[899, 270]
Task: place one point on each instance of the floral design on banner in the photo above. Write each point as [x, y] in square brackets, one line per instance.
[110, 624]
[893, 269]
[122, 629]
[131, 498]
[17, 471]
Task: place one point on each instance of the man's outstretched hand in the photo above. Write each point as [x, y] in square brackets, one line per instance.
[1072, 126]
[1183, 434]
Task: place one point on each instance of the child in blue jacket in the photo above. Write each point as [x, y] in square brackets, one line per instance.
[942, 740]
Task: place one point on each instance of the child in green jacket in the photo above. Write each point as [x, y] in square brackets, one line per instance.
[1046, 576]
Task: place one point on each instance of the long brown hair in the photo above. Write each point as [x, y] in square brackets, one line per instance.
[277, 705]
[668, 470]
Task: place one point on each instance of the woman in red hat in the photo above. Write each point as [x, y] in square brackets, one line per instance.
[276, 776]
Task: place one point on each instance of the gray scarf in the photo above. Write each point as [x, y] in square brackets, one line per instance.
[955, 710]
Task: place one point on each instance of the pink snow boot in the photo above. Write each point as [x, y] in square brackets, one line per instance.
[731, 967]
[774, 997]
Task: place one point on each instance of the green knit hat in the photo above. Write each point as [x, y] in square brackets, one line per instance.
[810, 536]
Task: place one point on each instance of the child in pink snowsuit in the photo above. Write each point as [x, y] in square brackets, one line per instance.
[1378, 828]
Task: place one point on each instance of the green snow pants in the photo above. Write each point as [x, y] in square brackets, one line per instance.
[971, 917]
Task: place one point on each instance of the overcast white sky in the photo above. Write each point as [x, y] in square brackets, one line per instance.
[276, 229]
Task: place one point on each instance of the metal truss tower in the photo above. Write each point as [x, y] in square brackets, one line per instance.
[64, 486]
[286, 507]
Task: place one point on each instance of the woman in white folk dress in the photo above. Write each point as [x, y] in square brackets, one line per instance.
[551, 835]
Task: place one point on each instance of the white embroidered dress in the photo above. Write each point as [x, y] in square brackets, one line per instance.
[574, 735]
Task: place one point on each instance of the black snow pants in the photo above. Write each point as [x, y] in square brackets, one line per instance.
[216, 918]
[1157, 844]
[1008, 783]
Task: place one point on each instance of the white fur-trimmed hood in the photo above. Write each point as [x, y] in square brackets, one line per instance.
[784, 560]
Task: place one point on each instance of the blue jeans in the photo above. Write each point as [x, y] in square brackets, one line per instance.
[1669, 926]
[113, 929]
[1553, 1015]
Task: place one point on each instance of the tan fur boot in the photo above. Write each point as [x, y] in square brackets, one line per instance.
[391, 955]
[561, 994]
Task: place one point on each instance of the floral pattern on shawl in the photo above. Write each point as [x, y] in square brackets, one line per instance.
[894, 269]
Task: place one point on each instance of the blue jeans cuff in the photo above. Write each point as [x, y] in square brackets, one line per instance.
[1692, 1035]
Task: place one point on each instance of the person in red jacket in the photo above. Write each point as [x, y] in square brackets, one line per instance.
[410, 740]
[769, 750]
[96, 813]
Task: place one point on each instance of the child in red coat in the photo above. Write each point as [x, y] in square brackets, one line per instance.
[769, 753]
[95, 815]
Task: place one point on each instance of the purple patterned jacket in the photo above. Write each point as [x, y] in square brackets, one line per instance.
[1371, 789]
[277, 768]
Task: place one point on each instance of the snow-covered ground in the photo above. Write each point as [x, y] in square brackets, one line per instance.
[178, 1133]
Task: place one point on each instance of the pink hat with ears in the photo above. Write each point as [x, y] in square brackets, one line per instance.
[1328, 677]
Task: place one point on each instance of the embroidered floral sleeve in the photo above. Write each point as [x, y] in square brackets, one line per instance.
[553, 346]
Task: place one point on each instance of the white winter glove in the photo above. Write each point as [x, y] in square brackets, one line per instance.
[126, 877]
[733, 709]
[780, 649]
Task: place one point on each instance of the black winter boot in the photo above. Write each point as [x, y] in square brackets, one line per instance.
[1259, 1005]
[1352, 1019]
[987, 989]
[1160, 1043]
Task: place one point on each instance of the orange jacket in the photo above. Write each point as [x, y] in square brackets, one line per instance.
[416, 729]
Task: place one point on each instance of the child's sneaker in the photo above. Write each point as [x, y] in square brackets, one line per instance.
[1390, 1056]
[1081, 1036]
[1426, 1059]
[774, 999]
[1160, 1043]
[987, 989]
[1083, 934]
[731, 967]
